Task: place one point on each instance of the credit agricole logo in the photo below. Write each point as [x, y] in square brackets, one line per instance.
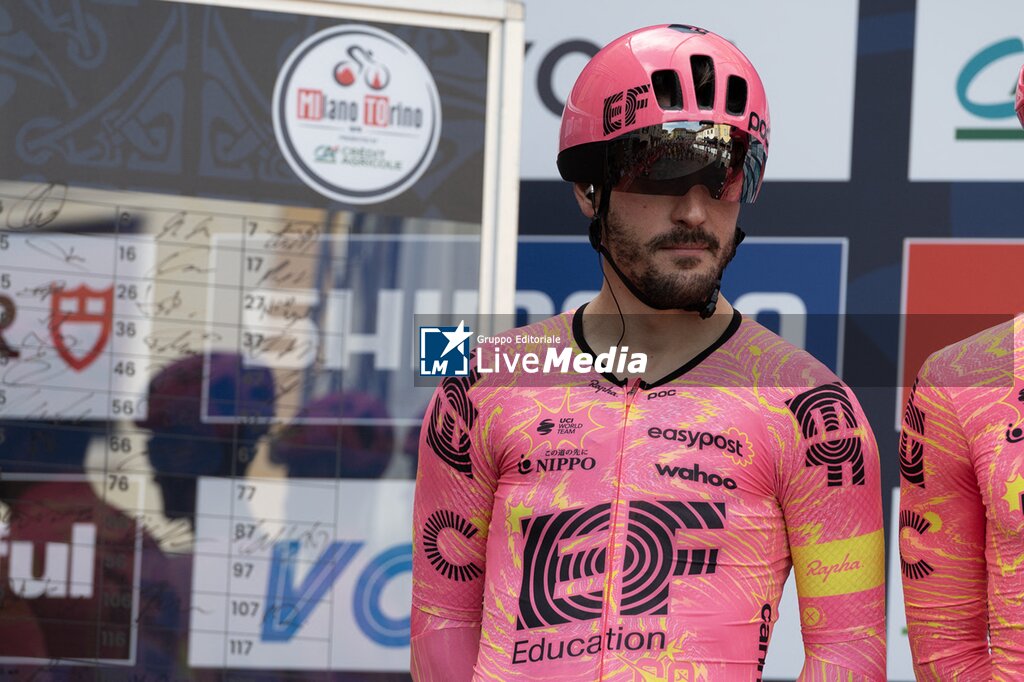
[985, 88]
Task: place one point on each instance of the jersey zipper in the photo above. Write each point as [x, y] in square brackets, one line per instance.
[609, 590]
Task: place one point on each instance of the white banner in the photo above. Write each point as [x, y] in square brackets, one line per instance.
[311, 574]
[963, 126]
[75, 316]
[807, 60]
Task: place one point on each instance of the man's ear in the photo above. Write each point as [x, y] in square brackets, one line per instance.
[585, 198]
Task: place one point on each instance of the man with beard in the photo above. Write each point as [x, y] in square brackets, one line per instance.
[631, 523]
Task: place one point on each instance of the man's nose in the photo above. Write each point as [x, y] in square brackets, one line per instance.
[692, 208]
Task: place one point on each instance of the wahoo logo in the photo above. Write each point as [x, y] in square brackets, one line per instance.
[618, 113]
[695, 474]
[68, 572]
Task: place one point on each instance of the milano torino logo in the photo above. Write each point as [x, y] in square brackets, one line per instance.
[565, 559]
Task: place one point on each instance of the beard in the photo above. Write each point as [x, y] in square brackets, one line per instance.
[682, 288]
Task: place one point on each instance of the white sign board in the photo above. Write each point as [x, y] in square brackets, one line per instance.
[963, 126]
[805, 54]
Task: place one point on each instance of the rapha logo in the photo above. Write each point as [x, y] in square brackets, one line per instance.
[620, 109]
[822, 570]
[77, 315]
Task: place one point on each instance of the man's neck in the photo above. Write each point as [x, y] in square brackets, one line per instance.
[670, 338]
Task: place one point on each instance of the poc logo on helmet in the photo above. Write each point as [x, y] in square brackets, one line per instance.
[618, 113]
[758, 125]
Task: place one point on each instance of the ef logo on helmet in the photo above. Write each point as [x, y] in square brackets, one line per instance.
[613, 110]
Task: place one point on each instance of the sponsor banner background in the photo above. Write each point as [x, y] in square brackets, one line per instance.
[192, 111]
[561, 37]
[963, 125]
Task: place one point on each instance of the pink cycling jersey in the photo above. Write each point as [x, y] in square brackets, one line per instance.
[961, 515]
[598, 530]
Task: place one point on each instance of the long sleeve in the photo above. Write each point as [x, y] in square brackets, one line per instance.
[942, 540]
[831, 501]
[454, 496]
[962, 493]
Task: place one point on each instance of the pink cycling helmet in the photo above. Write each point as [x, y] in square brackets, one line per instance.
[1019, 106]
[664, 108]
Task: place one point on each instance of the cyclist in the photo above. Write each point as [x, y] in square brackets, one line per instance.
[640, 524]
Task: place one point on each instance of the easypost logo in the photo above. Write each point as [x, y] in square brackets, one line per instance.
[963, 124]
[357, 114]
[444, 351]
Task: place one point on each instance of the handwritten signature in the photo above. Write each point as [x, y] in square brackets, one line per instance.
[38, 208]
[187, 342]
[174, 225]
[52, 248]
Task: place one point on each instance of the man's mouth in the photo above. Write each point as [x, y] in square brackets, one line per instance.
[687, 246]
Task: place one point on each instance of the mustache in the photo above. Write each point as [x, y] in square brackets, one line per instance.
[684, 235]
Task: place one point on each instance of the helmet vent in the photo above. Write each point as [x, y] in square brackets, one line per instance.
[736, 96]
[666, 90]
[703, 68]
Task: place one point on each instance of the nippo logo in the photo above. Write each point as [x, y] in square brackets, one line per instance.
[368, 96]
